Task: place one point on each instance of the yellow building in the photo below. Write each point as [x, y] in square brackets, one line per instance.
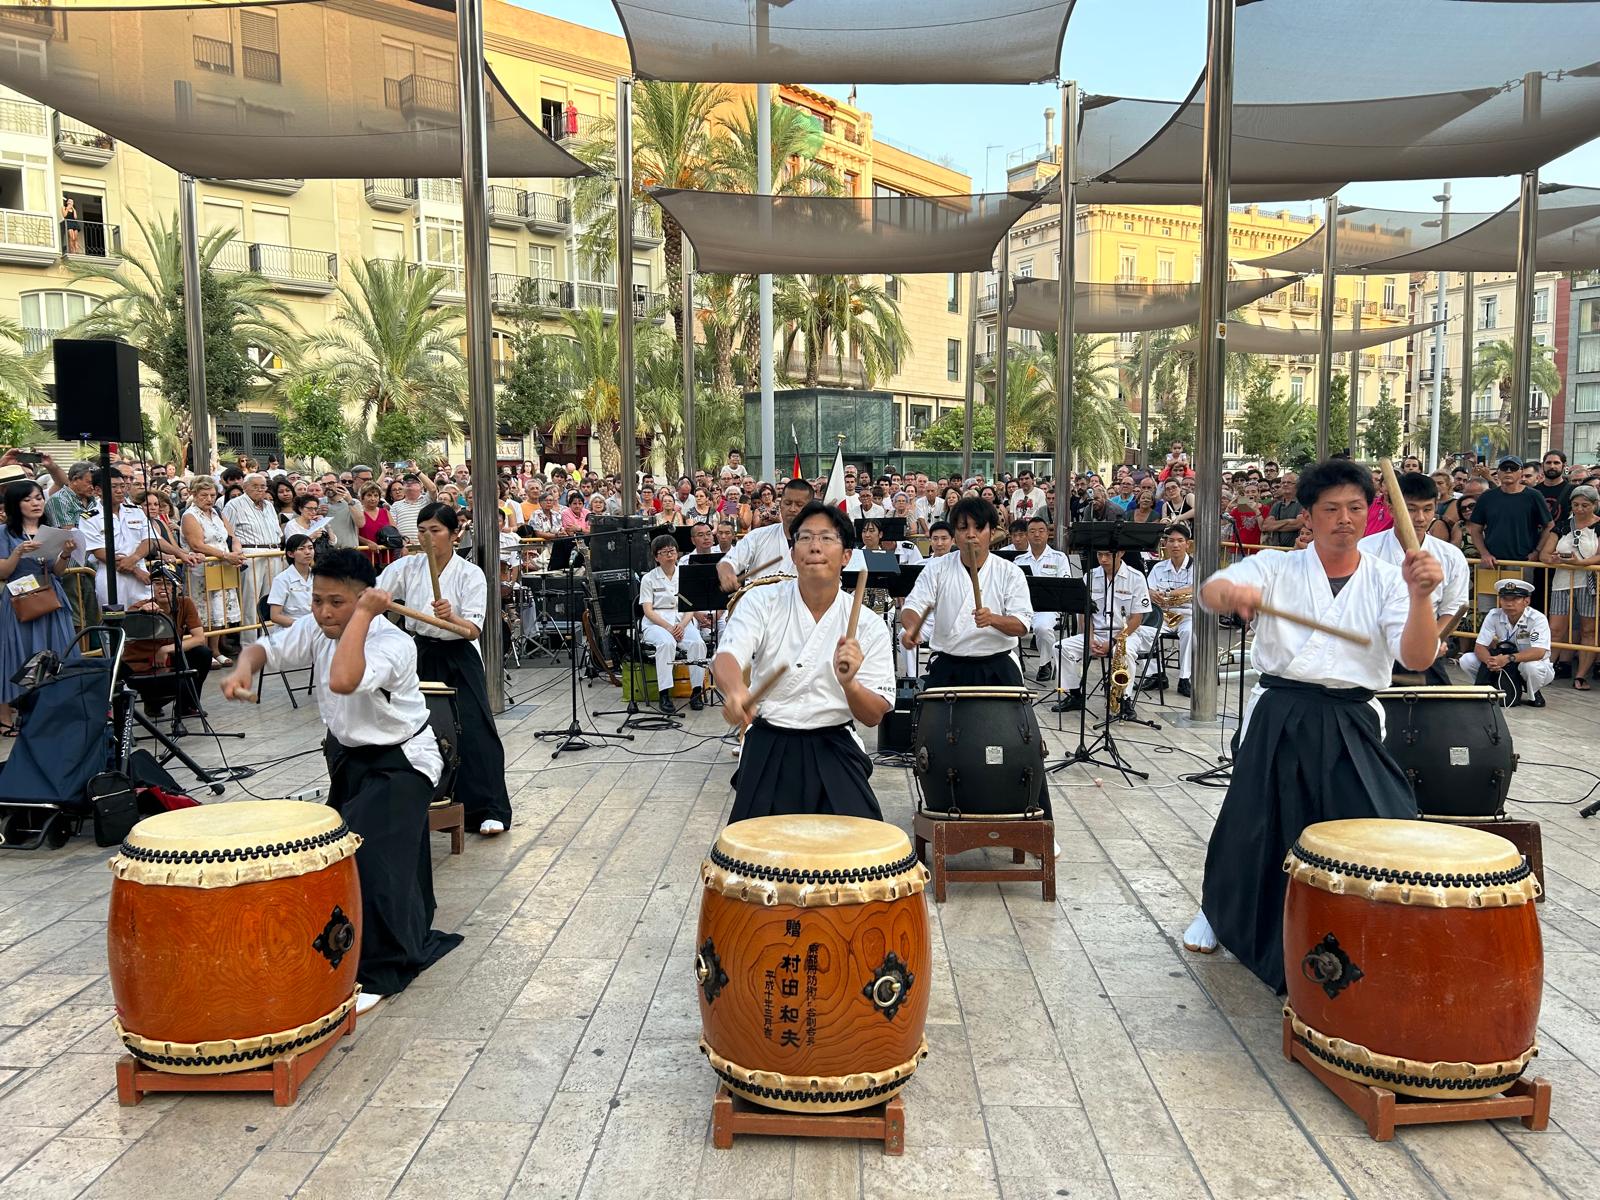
[1140, 244]
[300, 234]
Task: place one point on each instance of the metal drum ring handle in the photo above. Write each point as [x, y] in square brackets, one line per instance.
[893, 986]
[701, 971]
[1321, 966]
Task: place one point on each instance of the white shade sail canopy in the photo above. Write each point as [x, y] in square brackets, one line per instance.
[1125, 307]
[1247, 338]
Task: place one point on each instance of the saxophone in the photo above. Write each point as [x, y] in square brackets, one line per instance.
[1177, 600]
[1121, 676]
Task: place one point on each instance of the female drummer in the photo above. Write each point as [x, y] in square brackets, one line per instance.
[454, 660]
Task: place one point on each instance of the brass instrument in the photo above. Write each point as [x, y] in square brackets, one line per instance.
[1175, 600]
[1121, 674]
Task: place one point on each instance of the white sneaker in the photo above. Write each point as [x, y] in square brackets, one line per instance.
[366, 1002]
[1200, 938]
[492, 828]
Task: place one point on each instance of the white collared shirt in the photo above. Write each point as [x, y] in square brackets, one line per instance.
[1452, 591]
[1533, 630]
[772, 626]
[945, 589]
[660, 591]
[256, 527]
[1168, 576]
[1052, 564]
[386, 709]
[758, 548]
[460, 582]
[131, 527]
[292, 590]
[1127, 594]
[404, 512]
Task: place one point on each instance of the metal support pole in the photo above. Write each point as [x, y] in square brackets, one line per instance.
[1065, 288]
[1002, 336]
[769, 450]
[630, 439]
[1144, 398]
[972, 373]
[1212, 351]
[1354, 390]
[1438, 337]
[1469, 354]
[194, 325]
[686, 259]
[1330, 279]
[1522, 334]
[481, 424]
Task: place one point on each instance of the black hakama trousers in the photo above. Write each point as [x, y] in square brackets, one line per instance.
[789, 771]
[385, 800]
[1310, 754]
[983, 670]
[481, 777]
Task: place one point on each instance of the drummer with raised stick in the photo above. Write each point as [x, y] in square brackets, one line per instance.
[459, 598]
[1413, 499]
[765, 551]
[801, 754]
[980, 607]
[383, 760]
[1315, 752]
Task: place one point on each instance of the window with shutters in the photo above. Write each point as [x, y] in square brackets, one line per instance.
[258, 39]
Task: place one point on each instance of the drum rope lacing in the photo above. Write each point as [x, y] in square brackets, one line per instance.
[791, 1096]
[845, 875]
[238, 853]
[1414, 878]
[1382, 1075]
[271, 1049]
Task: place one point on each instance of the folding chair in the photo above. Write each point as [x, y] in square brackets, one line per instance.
[264, 615]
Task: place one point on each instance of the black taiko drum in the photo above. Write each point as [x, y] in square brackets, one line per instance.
[978, 752]
[1454, 746]
[445, 722]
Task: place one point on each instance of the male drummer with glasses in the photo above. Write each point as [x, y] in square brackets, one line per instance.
[765, 551]
[972, 646]
[383, 760]
[1315, 753]
[801, 754]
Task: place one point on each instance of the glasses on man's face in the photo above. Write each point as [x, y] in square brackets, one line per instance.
[821, 539]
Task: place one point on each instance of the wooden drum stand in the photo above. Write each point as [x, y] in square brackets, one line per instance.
[1023, 836]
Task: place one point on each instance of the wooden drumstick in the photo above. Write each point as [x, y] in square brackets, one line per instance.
[761, 693]
[771, 562]
[1403, 529]
[977, 590]
[1359, 639]
[430, 619]
[855, 605]
[433, 574]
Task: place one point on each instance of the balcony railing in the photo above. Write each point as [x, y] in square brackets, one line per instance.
[1391, 362]
[294, 268]
[546, 213]
[831, 369]
[1272, 302]
[604, 297]
[421, 94]
[23, 116]
[1303, 301]
[25, 237]
[505, 206]
[440, 191]
[393, 195]
[646, 232]
[508, 292]
[262, 64]
[213, 54]
[91, 239]
[77, 142]
[1425, 375]
[232, 256]
[453, 290]
[37, 341]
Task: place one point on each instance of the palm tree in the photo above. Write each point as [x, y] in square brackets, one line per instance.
[145, 308]
[392, 348]
[841, 314]
[1495, 364]
[1098, 415]
[19, 387]
[589, 357]
[674, 145]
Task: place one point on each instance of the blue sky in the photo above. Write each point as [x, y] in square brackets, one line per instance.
[1151, 48]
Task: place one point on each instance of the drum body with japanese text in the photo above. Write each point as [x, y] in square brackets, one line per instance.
[234, 934]
[813, 961]
[1413, 956]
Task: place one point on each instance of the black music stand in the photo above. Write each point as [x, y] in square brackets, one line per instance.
[572, 735]
[1088, 538]
[699, 590]
[632, 716]
[1057, 594]
[893, 529]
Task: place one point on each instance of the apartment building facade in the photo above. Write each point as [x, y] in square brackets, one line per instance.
[1581, 393]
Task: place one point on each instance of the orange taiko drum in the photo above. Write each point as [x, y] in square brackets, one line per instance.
[814, 961]
[234, 934]
[1413, 956]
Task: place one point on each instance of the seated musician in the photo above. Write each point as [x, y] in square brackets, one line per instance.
[704, 541]
[1018, 530]
[940, 540]
[1045, 561]
[1316, 752]
[725, 537]
[801, 754]
[383, 760]
[1121, 600]
[148, 662]
[1171, 586]
[290, 596]
[664, 628]
[1514, 634]
[765, 551]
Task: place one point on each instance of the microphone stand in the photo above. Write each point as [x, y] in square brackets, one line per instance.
[573, 735]
[1222, 773]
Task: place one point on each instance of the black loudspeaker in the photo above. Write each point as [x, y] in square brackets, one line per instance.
[97, 391]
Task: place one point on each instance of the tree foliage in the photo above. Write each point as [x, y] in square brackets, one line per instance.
[1271, 424]
[842, 315]
[532, 390]
[313, 420]
[397, 435]
[19, 388]
[1382, 438]
[946, 432]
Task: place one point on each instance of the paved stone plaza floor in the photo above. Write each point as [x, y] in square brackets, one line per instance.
[1077, 1051]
